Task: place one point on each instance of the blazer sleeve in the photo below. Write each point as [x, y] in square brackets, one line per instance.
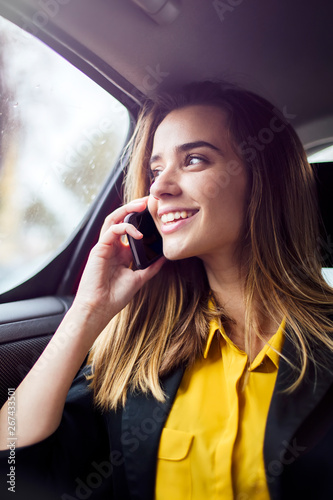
[71, 463]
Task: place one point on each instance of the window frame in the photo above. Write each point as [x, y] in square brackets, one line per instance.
[61, 275]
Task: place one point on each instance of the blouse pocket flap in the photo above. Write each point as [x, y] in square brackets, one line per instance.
[174, 445]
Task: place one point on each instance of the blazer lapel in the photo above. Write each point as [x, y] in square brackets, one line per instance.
[143, 419]
[288, 412]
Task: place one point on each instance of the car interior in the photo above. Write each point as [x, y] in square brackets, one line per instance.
[126, 50]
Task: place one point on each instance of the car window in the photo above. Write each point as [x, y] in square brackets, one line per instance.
[324, 154]
[60, 137]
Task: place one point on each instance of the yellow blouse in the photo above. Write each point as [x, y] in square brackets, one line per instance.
[212, 444]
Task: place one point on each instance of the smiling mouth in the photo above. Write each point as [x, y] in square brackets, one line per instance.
[174, 216]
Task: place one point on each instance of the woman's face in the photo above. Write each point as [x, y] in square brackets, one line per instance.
[199, 191]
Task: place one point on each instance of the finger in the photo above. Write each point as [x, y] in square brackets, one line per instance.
[120, 213]
[111, 235]
[152, 270]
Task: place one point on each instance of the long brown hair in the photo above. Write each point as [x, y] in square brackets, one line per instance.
[166, 323]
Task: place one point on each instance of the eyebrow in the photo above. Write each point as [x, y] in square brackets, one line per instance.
[188, 146]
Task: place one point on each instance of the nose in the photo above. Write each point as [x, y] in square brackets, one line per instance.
[166, 183]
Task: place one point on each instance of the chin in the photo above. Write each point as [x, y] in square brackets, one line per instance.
[177, 253]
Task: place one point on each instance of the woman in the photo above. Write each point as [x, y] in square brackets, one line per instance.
[212, 376]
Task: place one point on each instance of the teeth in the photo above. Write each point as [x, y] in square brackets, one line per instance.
[171, 216]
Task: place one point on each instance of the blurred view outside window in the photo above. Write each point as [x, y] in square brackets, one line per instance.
[60, 136]
[325, 154]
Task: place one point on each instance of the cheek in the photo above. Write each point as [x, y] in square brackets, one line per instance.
[226, 200]
[227, 182]
[215, 186]
[152, 207]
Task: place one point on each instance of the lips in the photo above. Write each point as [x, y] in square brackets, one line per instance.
[174, 220]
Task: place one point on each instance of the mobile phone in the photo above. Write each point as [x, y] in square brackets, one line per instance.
[150, 247]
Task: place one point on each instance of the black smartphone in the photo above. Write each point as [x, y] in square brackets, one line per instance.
[150, 247]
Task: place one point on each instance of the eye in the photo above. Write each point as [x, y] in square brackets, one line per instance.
[153, 174]
[195, 160]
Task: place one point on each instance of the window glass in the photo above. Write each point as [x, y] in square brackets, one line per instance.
[327, 273]
[325, 154]
[60, 136]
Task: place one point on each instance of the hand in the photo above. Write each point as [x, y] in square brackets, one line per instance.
[107, 283]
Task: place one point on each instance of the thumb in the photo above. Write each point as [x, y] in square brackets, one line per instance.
[152, 270]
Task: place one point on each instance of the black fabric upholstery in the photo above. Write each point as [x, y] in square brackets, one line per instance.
[16, 359]
[324, 177]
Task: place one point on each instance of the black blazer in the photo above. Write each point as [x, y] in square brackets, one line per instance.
[76, 462]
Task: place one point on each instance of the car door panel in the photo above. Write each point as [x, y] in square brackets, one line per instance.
[26, 327]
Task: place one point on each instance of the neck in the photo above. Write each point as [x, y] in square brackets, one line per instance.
[228, 285]
[227, 281]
